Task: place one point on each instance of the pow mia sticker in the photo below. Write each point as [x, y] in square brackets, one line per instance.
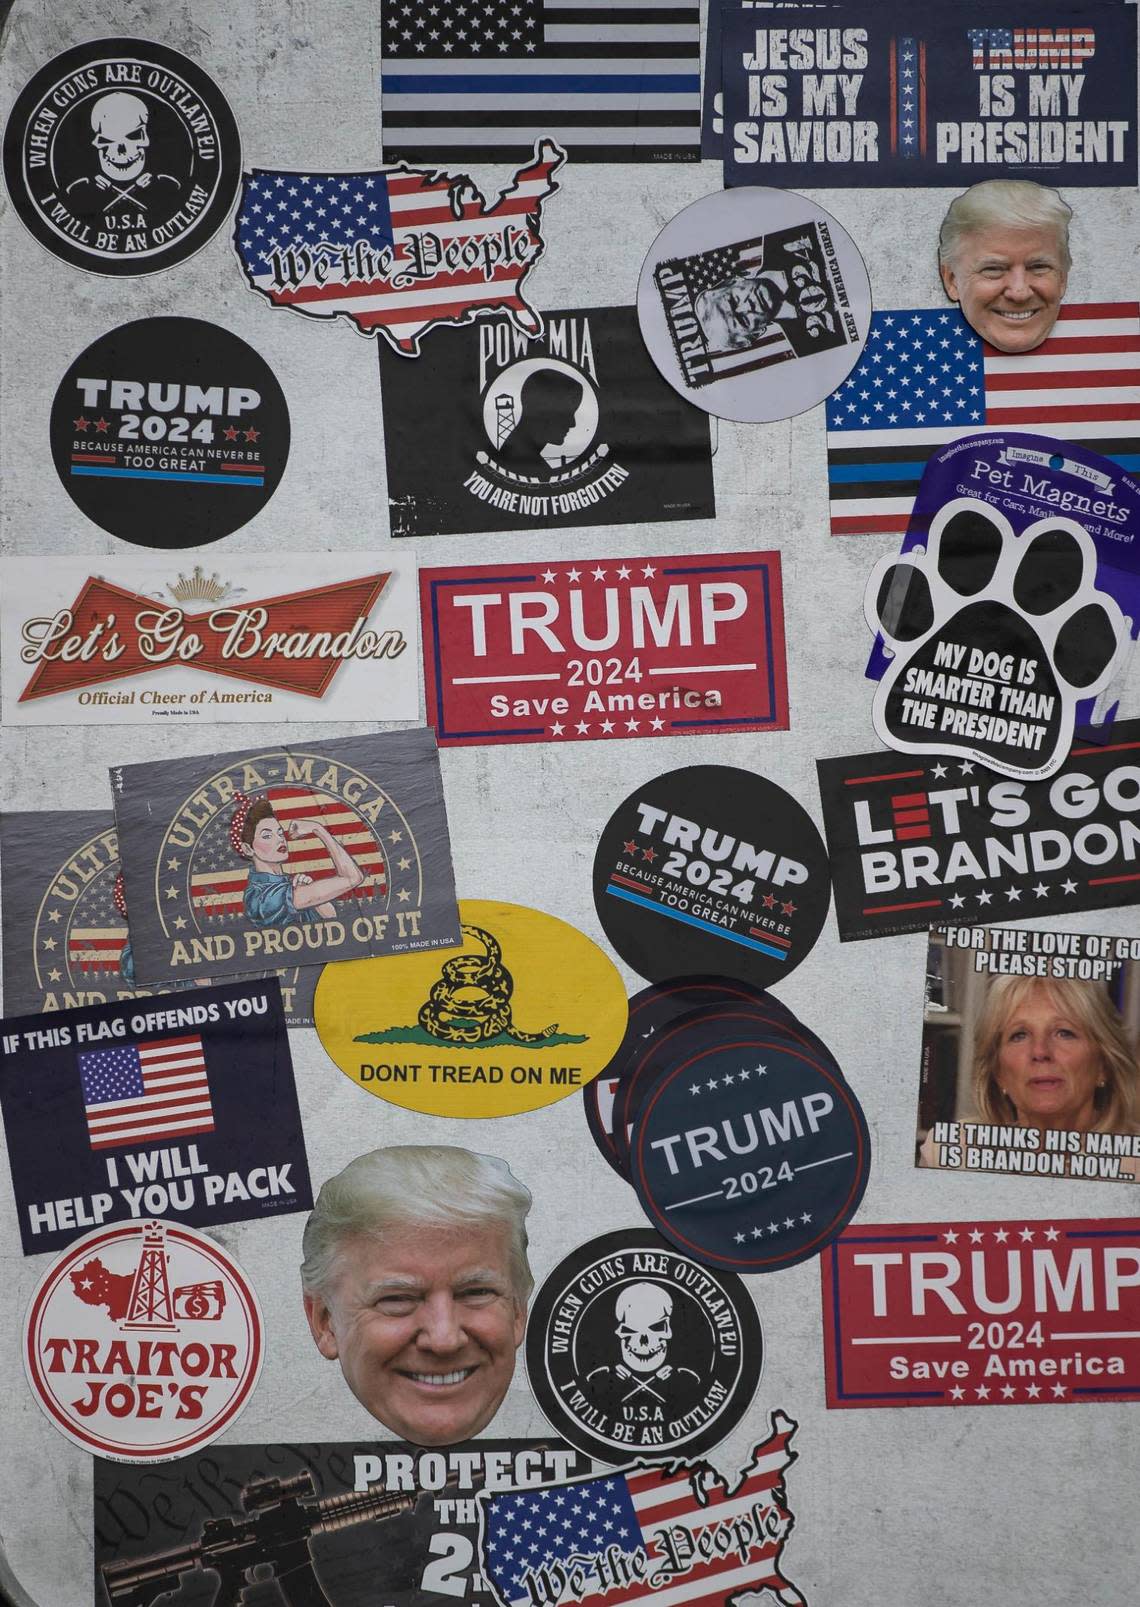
[122, 157]
[632, 1349]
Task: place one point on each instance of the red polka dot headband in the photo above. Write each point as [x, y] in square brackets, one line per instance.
[243, 804]
[119, 897]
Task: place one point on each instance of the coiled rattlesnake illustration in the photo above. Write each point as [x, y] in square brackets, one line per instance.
[471, 1002]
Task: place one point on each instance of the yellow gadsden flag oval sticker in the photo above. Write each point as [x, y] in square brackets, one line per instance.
[527, 1011]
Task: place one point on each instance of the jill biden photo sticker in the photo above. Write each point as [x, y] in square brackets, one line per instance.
[711, 871]
[750, 1153]
[573, 426]
[917, 842]
[143, 1341]
[990, 1313]
[135, 1109]
[559, 651]
[1029, 1054]
[633, 1349]
[364, 1521]
[527, 1011]
[121, 157]
[169, 432]
[754, 304]
[399, 251]
[1009, 607]
[150, 639]
[294, 855]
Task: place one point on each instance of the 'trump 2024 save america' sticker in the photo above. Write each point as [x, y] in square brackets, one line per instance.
[573, 426]
[1007, 1313]
[633, 1349]
[576, 651]
[143, 1341]
[648, 1535]
[915, 843]
[528, 1011]
[169, 432]
[711, 871]
[236, 860]
[121, 157]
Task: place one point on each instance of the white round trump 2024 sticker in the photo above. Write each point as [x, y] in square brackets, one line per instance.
[754, 304]
[143, 1341]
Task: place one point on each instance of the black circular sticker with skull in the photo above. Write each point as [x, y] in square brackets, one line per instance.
[633, 1350]
[122, 157]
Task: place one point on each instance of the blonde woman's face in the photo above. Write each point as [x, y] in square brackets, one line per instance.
[1048, 1065]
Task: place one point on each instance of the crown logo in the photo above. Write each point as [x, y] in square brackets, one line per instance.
[198, 587]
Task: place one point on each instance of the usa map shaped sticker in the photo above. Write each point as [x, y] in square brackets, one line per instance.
[396, 251]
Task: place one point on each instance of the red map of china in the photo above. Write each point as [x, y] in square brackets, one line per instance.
[396, 251]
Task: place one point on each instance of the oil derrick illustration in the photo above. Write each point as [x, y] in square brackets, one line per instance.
[150, 1306]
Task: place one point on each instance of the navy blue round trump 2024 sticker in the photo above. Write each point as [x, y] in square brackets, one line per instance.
[751, 1152]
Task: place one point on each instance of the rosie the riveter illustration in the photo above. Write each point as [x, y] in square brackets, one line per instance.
[272, 896]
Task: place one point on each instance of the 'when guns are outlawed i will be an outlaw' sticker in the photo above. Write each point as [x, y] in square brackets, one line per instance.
[527, 1011]
[633, 1349]
[606, 648]
[288, 855]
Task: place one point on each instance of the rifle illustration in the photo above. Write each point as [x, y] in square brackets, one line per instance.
[271, 1542]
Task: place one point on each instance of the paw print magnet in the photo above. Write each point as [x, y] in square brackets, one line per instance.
[994, 638]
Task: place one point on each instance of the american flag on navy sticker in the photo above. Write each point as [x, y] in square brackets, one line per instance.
[925, 378]
[479, 80]
[681, 1536]
[142, 1093]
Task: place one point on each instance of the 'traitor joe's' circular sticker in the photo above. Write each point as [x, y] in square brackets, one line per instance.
[633, 1350]
[143, 1341]
[711, 871]
[526, 1012]
[169, 432]
[754, 304]
[122, 157]
[750, 1152]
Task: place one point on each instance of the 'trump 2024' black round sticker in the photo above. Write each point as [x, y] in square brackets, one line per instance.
[711, 871]
[750, 1152]
[121, 157]
[170, 432]
[633, 1350]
